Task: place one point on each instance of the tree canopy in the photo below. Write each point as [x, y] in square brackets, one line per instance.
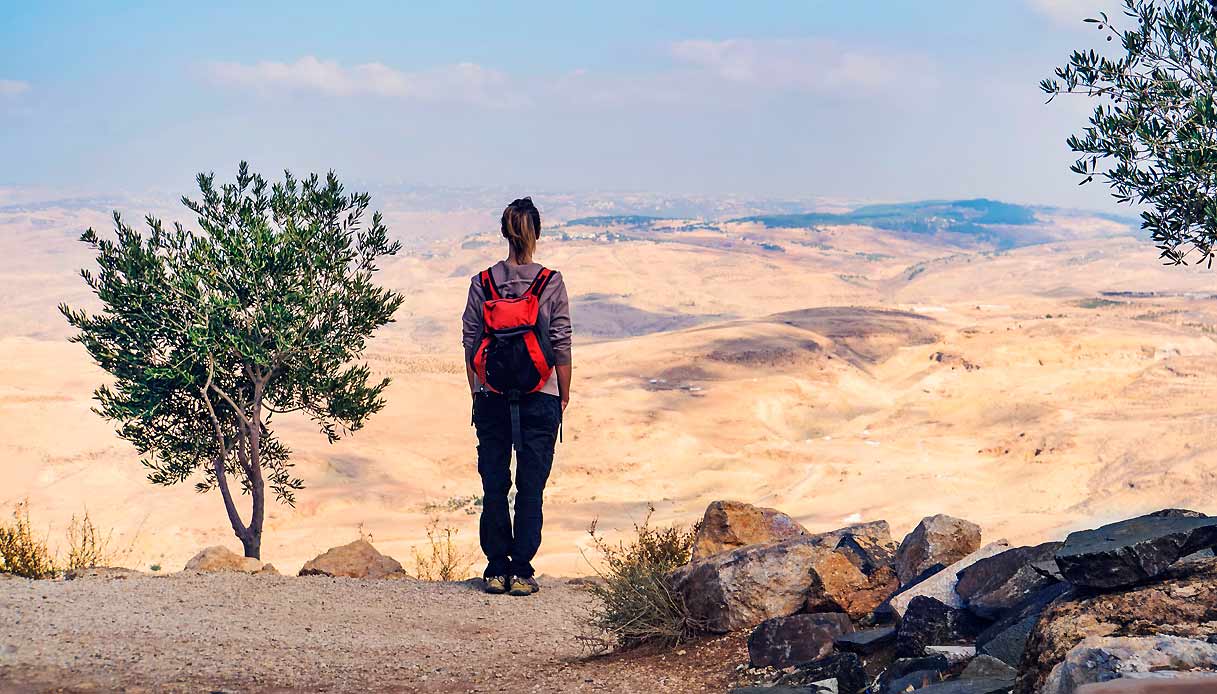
[1152, 137]
[264, 310]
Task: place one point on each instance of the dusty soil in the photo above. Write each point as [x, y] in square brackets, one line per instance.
[232, 632]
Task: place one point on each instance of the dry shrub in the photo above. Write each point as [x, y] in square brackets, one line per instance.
[88, 548]
[443, 560]
[635, 602]
[21, 553]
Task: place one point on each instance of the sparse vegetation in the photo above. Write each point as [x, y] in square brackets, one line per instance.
[88, 548]
[1097, 303]
[443, 559]
[635, 604]
[468, 505]
[21, 552]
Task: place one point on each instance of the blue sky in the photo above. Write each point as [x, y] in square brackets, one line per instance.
[890, 100]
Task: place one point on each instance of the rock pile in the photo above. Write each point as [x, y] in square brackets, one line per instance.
[850, 611]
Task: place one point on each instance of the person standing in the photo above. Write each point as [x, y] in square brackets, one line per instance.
[516, 332]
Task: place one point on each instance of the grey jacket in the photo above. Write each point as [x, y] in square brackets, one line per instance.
[553, 315]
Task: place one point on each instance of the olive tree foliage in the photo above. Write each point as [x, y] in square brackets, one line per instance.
[208, 334]
[1152, 137]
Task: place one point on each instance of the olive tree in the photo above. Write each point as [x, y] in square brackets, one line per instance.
[208, 334]
[1152, 137]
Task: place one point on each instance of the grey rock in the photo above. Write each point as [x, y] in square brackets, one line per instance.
[784, 641]
[867, 641]
[941, 586]
[937, 539]
[1134, 550]
[1007, 638]
[987, 667]
[917, 680]
[929, 622]
[811, 689]
[993, 586]
[900, 669]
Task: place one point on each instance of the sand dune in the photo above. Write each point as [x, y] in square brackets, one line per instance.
[868, 375]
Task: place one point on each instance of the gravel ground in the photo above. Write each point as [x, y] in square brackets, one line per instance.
[233, 632]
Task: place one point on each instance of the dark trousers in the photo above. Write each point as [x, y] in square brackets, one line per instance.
[510, 546]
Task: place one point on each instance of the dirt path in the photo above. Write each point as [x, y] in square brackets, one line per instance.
[231, 632]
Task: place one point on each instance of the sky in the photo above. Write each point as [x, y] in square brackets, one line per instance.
[877, 100]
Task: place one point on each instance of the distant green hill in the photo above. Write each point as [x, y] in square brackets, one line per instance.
[632, 220]
[981, 218]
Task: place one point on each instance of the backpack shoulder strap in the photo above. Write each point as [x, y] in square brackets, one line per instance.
[540, 281]
[488, 289]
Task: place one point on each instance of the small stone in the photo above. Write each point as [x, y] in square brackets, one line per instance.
[929, 622]
[953, 654]
[802, 638]
[926, 669]
[866, 641]
[845, 668]
[358, 559]
[987, 667]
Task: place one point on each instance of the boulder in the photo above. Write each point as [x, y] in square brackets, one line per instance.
[1104, 658]
[844, 668]
[358, 559]
[937, 539]
[941, 586]
[869, 554]
[1183, 603]
[924, 670]
[743, 587]
[801, 638]
[1134, 550]
[839, 586]
[866, 641]
[993, 586]
[220, 558]
[728, 525]
[929, 622]
[987, 667]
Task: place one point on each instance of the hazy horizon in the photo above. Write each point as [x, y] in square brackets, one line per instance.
[792, 100]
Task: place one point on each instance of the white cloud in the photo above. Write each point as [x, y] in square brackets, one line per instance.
[1071, 12]
[462, 82]
[819, 65]
[13, 87]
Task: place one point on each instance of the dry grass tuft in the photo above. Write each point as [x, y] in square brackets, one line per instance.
[636, 605]
[443, 560]
[21, 553]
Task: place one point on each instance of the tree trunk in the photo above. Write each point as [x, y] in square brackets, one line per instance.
[252, 542]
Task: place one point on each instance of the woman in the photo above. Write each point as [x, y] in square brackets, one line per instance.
[517, 335]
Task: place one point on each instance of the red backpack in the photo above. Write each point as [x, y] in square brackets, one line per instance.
[514, 356]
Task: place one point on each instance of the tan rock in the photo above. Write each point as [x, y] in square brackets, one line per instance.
[936, 541]
[743, 587]
[220, 558]
[728, 525]
[358, 559]
[839, 586]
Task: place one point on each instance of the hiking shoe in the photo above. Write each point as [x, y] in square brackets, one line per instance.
[495, 585]
[523, 586]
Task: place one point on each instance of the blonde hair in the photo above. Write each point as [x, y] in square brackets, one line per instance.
[521, 226]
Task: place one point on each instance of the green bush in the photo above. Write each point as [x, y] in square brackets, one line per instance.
[635, 603]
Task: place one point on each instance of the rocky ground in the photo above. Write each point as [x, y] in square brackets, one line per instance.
[230, 631]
